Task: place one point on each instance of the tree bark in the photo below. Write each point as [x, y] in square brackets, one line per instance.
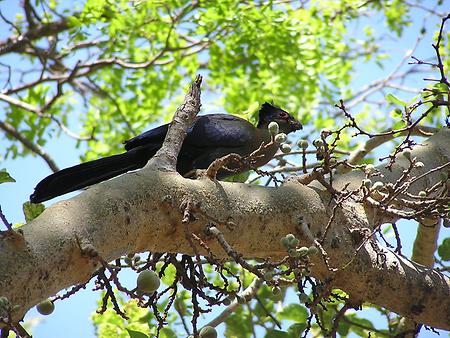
[141, 211]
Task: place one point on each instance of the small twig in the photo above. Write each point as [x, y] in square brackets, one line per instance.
[338, 317]
[5, 221]
[247, 294]
[267, 312]
[109, 294]
[325, 256]
[440, 64]
[306, 179]
[35, 148]
[398, 249]
[229, 250]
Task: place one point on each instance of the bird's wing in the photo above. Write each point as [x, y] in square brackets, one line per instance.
[214, 130]
[220, 130]
[153, 136]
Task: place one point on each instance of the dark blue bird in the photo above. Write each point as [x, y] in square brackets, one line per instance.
[210, 137]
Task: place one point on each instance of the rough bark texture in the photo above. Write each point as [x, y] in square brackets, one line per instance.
[166, 158]
[140, 211]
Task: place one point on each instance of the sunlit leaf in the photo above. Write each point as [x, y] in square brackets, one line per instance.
[444, 250]
[136, 334]
[32, 210]
[294, 312]
[395, 100]
[5, 177]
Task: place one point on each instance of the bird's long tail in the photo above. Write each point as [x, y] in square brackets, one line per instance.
[89, 173]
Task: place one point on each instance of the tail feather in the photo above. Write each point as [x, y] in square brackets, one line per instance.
[89, 173]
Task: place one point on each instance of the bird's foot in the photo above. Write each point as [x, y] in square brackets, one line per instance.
[221, 163]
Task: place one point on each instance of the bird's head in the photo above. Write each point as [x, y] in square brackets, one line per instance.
[270, 113]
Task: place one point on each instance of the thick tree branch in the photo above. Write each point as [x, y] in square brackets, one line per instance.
[358, 154]
[131, 214]
[425, 246]
[166, 157]
[426, 242]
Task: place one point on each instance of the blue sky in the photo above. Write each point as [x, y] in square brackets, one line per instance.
[71, 316]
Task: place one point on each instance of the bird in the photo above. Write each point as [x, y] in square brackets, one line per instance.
[210, 137]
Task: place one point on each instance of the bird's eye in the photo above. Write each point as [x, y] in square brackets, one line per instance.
[283, 114]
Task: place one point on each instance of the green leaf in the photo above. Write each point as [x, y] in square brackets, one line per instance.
[395, 100]
[343, 328]
[167, 333]
[239, 324]
[277, 334]
[31, 210]
[294, 312]
[136, 334]
[396, 113]
[444, 250]
[74, 21]
[5, 177]
[242, 177]
[365, 325]
[441, 87]
[296, 329]
[169, 275]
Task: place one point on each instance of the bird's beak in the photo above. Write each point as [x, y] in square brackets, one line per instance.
[295, 125]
